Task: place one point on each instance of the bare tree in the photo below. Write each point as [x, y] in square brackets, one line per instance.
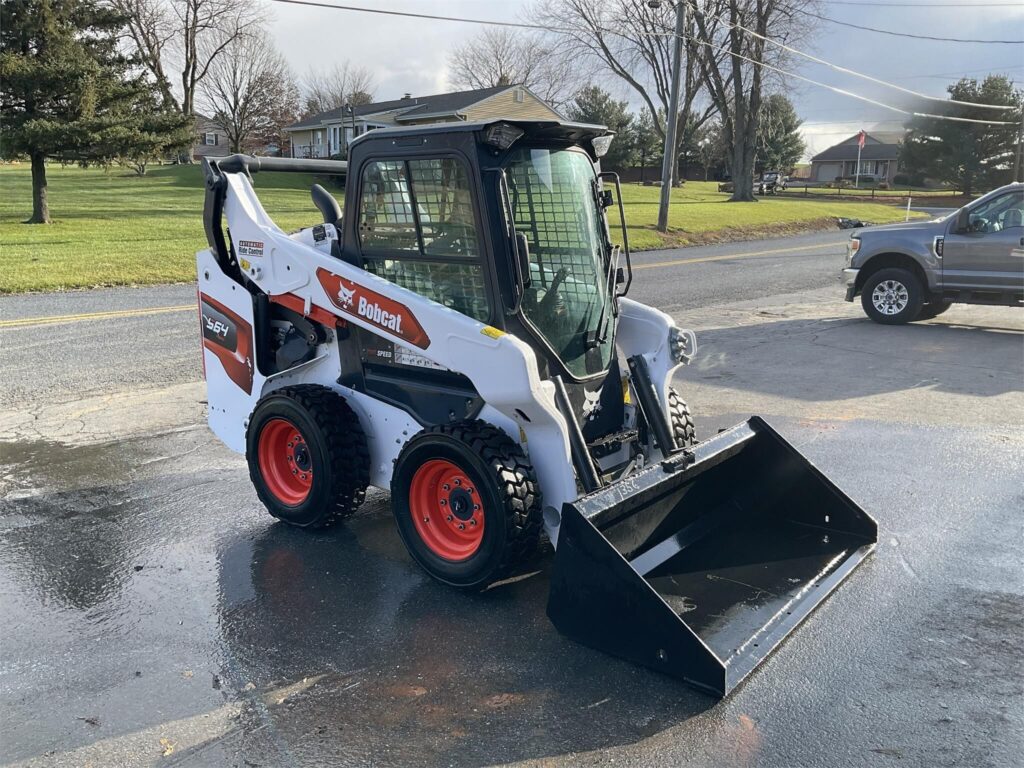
[186, 38]
[739, 28]
[250, 92]
[502, 56]
[335, 86]
[633, 42]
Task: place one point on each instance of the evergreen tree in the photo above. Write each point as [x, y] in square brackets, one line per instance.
[779, 146]
[67, 93]
[595, 105]
[967, 155]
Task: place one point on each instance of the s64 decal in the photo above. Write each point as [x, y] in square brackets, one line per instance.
[229, 338]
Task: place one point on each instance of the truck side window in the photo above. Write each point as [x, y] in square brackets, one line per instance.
[417, 229]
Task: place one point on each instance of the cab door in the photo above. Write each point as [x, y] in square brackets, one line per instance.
[984, 248]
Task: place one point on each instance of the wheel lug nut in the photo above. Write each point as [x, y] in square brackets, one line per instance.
[462, 527]
[295, 471]
[476, 507]
[444, 503]
[446, 487]
[472, 521]
[449, 518]
[426, 519]
[458, 482]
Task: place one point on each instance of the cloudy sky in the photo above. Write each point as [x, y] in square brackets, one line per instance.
[409, 55]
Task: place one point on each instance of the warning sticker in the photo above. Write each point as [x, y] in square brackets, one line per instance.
[250, 248]
[491, 331]
[406, 356]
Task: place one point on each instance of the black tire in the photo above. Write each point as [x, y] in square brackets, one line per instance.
[333, 446]
[933, 309]
[680, 420]
[504, 485]
[904, 296]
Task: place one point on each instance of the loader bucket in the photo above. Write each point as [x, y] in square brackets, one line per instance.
[701, 570]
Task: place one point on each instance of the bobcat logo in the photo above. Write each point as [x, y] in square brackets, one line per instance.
[346, 296]
[591, 405]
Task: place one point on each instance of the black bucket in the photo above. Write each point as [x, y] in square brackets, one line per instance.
[701, 570]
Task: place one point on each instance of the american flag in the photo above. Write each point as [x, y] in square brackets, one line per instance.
[861, 138]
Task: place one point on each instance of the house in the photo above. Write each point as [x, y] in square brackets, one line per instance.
[878, 158]
[328, 133]
[212, 141]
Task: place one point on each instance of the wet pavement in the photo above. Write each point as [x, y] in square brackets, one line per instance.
[153, 614]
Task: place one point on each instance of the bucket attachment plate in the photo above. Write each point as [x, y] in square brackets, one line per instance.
[700, 569]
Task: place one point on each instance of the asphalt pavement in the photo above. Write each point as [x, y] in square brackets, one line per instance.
[153, 614]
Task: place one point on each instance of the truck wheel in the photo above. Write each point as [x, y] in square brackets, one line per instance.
[892, 296]
[933, 309]
[680, 420]
[307, 456]
[467, 503]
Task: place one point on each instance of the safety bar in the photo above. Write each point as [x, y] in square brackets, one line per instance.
[251, 164]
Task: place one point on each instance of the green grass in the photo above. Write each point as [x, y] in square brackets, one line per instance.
[114, 228]
[699, 213]
[111, 227]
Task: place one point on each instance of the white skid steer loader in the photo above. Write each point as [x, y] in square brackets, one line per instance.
[462, 338]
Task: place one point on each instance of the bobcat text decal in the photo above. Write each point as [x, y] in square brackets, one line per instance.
[387, 314]
[229, 338]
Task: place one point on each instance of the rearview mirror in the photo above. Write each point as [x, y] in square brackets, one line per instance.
[606, 198]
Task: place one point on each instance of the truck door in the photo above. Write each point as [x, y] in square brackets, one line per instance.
[984, 250]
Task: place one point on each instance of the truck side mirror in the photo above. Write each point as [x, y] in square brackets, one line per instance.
[523, 257]
[606, 198]
[963, 221]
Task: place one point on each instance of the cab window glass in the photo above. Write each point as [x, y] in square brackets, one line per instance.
[459, 286]
[445, 206]
[386, 220]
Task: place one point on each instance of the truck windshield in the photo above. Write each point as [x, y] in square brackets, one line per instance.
[554, 204]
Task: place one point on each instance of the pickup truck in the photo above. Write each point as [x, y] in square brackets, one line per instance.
[917, 270]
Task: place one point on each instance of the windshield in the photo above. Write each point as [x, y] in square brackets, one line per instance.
[554, 204]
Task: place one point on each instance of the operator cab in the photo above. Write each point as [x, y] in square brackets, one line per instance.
[502, 221]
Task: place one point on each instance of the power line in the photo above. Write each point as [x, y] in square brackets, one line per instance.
[410, 14]
[861, 75]
[907, 34]
[923, 5]
[490, 22]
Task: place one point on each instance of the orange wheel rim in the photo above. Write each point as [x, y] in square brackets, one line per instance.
[447, 510]
[285, 461]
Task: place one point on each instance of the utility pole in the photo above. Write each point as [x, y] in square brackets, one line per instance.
[1018, 151]
[668, 165]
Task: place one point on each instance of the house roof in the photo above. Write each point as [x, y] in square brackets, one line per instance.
[439, 104]
[880, 146]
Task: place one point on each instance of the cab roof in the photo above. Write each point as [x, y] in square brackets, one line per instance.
[534, 129]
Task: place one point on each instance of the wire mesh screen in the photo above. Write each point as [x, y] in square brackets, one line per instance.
[386, 220]
[550, 206]
[445, 207]
[459, 286]
[554, 206]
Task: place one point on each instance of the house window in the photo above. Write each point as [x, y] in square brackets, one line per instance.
[867, 167]
[417, 229]
[210, 139]
[518, 95]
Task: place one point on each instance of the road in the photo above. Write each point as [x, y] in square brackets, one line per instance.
[155, 615]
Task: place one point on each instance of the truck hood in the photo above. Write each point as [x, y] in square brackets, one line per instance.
[930, 227]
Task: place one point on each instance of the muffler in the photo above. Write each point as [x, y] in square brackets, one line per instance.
[701, 565]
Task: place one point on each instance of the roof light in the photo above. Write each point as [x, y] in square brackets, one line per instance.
[502, 135]
[601, 144]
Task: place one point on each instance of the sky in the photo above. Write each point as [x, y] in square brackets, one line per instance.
[409, 55]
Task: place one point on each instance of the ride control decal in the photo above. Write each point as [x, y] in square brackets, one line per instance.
[229, 337]
[370, 306]
[250, 248]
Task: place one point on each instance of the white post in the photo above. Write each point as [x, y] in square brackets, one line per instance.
[909, 196]
[856, 173]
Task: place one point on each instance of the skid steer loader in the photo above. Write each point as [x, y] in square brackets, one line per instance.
[461, 337]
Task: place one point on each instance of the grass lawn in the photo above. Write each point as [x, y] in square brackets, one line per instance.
[699, 214]
[115, 228]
